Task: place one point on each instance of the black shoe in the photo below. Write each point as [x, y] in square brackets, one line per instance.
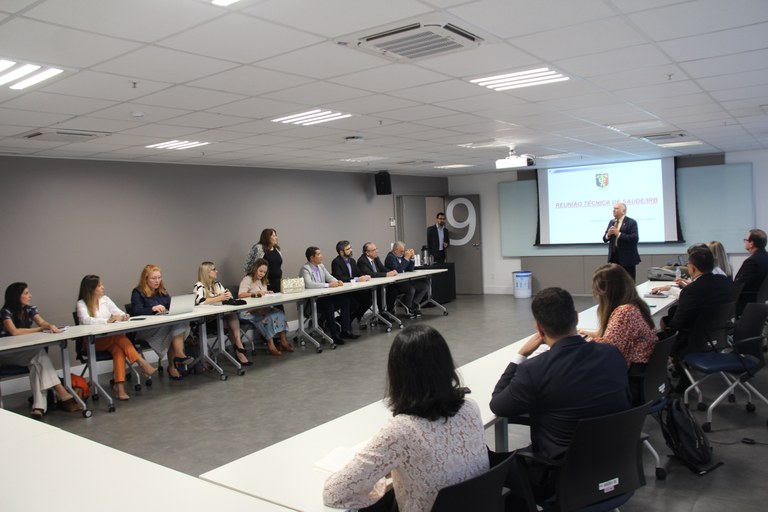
[410, 315]
[349, 335]
[416, 310]
[337, 340]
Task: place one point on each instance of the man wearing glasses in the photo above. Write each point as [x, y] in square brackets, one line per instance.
[370, 264]
[754, 269]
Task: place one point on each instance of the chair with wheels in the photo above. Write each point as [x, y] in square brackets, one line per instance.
[482, 493]
[653, 388]
[602, 467]
[738, 365]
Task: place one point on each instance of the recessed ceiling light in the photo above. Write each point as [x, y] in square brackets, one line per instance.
[363, 159]
[538, 76]
[224, 3]
[453, 166]
[12, 71]
[178, 144]
[681, 144]
[311, 117]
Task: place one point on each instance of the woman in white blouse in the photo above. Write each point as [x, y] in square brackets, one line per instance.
[94, 307]
[435, 439]
[210, 291]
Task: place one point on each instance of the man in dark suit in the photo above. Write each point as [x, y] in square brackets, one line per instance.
[621, 237]
[438, 239]
[754, 269]
[370, 265]
[706, 289]
[344, 268]
[402, 260]
[571, 381]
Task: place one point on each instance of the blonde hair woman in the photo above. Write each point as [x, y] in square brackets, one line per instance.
[210, 291]
[721, 258]
[151, 298]
[94, 307]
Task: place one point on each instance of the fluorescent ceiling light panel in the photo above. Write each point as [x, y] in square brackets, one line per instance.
[680, 144]
[363, 159]
[453, 166]
[312, 117]
[224, 3]
[177, 144]
[538, 76]
[36, 79]
[5, 64]
[17, 73]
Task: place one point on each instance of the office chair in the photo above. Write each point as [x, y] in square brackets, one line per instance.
[142, 345]
[653, 389]
[602, 467]
[482, 493]
[737, 366]
[762, 292]
[10, 370]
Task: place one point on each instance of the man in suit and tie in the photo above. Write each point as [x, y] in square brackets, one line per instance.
[370, 264]
[344, 268]
[573, 380]
[621, 237]
[754, 269]
[402, 260]
[315, 275]
[438, 239]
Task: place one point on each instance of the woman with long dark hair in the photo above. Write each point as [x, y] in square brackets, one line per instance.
[19, 316]
[435, 439]
[94, 307]
[268, 249]
[270, 321]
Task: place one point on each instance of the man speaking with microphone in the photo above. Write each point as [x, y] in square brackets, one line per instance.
[621, 237]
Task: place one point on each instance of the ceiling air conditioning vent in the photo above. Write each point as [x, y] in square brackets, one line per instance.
[417, 41]
[49, 135]
[663, 138]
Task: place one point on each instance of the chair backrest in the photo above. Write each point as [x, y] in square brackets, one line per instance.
[603, 461]
[736, 289]
[762, 292]
[712, 325]
[655, 379]
[482, 493]
[751, 322]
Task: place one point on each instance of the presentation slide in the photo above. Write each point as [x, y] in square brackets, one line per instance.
[576, 203]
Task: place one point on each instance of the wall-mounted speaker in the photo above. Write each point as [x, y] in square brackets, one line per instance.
[383, 183]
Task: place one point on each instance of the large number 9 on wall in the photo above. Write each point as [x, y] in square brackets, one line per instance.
[470, 222]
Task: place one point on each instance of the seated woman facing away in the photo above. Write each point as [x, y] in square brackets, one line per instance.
[625, 319]
[210, 291]
[269, 321]
[18, 317]
[434, 440]
[151, 298]
[94, 307]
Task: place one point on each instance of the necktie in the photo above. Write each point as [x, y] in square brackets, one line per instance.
[615, 237]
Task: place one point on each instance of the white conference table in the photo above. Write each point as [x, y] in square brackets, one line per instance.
[46, 468]
[261, 474]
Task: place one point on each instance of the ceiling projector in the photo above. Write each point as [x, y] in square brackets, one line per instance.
[514, 160]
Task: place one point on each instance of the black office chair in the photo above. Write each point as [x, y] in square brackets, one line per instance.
[653, 389]
[482, 493]
[10, 370]
[737, 366]
[602, 467]
[762, 292]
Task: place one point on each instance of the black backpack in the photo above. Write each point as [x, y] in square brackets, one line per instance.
[686, 438]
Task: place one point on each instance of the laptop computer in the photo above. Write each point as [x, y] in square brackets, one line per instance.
[182, 304]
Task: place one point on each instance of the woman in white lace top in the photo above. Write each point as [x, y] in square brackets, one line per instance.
[435, 439]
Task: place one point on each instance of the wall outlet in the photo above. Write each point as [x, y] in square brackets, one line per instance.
[392, 222]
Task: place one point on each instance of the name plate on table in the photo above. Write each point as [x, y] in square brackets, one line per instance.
[292, 285]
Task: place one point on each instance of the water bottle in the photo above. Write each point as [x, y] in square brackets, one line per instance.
[678, 273]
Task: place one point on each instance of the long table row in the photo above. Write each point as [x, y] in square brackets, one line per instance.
[138, 323]
[260, 474]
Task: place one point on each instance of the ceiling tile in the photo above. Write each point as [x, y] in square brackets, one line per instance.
[164, 65]
[318, 93]
[250, 80]
[390, 78]
[370, 104]
[190, 98]
[615, 61]
[489, 58]
[33, 119]
[43, 43]
[56, 103]
[247, 39]
[131, 111]
[105, 86]
[205, 120]
[323, 61]
[753, 37]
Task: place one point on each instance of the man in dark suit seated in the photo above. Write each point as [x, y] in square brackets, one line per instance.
[754, 269]
[706, 290]
[402, 260]
[344, 268]
[571, 381]
[370, 264]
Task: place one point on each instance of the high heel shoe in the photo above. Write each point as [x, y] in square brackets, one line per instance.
[174, 377]
[242, 351]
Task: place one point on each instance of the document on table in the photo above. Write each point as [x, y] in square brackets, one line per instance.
[338, 457]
